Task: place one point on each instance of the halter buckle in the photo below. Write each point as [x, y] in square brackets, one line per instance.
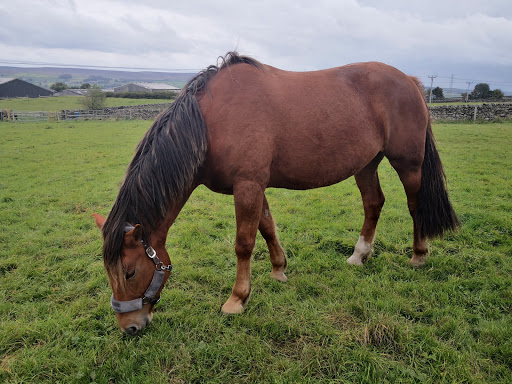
[150, 252]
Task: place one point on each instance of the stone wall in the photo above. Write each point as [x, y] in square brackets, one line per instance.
[143, 112]
[461, 112]
[487, 112]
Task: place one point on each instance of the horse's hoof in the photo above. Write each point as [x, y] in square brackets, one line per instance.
[279, 276]
[355, 260]
[418, 261]
[232, 309]
[234, 306]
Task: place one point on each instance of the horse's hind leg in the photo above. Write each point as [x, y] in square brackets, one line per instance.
[267, 229]
[248, 198]
[373, 199]
[410, 175]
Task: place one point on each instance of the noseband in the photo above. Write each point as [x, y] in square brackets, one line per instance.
[154, 286]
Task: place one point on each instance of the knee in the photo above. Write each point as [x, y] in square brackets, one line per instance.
[244, 245]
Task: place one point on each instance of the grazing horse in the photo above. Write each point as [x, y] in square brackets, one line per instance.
[241, 127]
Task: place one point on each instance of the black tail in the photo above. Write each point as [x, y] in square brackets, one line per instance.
[434, 212]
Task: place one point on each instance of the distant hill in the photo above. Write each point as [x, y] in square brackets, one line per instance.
[46, 76]
[107, 79]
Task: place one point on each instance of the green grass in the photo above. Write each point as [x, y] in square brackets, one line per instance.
[67, 102]
[449, 322]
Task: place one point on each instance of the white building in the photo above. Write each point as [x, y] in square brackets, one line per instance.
[146, 87]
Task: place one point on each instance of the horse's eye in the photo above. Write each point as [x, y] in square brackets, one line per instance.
[130, 275]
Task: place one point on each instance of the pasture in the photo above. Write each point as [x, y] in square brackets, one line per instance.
[448, 322]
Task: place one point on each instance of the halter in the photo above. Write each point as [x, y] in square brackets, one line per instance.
[154, 286]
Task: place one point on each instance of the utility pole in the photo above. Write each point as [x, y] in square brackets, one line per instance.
[431, 77]
[467, 92]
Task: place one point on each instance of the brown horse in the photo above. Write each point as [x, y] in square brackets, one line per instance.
[242, 127]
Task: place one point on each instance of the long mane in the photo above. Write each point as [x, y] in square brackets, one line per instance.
[164, 165]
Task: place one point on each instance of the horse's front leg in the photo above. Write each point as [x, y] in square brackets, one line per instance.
[248, 198]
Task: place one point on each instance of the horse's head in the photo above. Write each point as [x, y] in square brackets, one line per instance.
[136, 280]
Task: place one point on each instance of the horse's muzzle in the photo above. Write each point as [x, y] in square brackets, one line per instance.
[135, 327]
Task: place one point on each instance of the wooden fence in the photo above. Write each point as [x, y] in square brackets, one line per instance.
[34, 116]
[26, 116]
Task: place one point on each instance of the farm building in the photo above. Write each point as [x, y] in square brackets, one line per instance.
[71, 92]
[10, 87]
[146, 87]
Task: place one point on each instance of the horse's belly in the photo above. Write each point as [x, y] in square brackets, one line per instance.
[302, 173]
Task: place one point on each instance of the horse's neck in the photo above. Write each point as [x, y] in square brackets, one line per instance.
[159, 235]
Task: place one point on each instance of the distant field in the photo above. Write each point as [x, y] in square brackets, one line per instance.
[449, 322]
[67, 102]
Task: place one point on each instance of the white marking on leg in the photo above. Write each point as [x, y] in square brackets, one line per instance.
[362, 252]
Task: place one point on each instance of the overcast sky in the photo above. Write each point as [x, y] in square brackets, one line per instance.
[470, 40]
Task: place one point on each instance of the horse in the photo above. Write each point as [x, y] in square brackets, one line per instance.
[240, 127]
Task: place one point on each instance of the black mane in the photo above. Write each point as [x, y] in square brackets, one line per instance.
[164, 165]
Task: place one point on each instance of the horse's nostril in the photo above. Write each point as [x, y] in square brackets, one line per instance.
[131, 330]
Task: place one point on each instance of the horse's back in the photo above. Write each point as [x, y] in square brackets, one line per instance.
[304, 129]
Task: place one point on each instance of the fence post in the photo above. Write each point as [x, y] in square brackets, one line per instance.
[474, 113]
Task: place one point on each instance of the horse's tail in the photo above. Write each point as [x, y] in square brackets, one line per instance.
[434, 212]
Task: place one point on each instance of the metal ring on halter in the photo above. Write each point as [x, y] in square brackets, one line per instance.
[162, 267]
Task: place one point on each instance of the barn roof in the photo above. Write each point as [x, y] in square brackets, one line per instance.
[71, 92]
[4, 80]
[157, 86]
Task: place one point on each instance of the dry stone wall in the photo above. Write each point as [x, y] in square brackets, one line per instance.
[463, 112]
[143, 112]
[487, 112]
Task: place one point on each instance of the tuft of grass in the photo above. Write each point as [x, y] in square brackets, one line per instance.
[383, 323]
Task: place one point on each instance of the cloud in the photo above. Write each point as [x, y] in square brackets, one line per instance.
[418, 37]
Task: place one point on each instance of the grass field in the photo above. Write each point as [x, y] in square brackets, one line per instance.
[449, 322]
[67, 102]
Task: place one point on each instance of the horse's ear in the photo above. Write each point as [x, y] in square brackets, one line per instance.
[133, 237]
[100, 220]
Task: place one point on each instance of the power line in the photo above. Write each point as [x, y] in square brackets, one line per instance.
[431, 77]
[467, 92]
[104, 67]
[450, 78]
[6, 62]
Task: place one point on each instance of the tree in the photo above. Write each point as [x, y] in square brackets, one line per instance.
[438, 93]
[94, 98]
[481, 91]
[59, 86]
[85, 86]
[497, 94]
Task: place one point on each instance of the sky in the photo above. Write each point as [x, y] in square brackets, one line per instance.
[457, 41]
